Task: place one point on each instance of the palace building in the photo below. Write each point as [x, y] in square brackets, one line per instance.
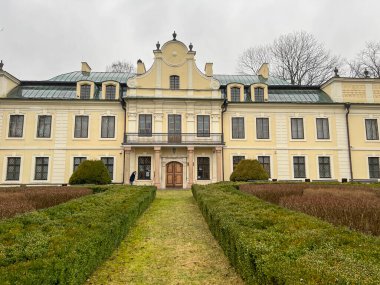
[176, 125]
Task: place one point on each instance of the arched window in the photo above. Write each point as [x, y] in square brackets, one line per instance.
[259, 94]
[110, 92]
[235, 94]
[174, 82]
[85, 91]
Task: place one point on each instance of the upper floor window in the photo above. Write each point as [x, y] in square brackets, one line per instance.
[323, 129]
[297, 128]
[145, 125]
[110, 92]
[16, 126]
[174, 82]
[262, 128]
[371, 129]
[108, 127]
[259, 94]
[44, 126]
[85, 91]
[238, 128]
[81, 127]
[203, 126]
[235, 94]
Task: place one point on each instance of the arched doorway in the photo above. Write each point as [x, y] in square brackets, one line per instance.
[174, 174]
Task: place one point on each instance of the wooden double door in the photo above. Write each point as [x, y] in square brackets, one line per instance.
[174, 174]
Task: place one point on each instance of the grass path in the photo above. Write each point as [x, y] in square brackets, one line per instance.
[170, 244]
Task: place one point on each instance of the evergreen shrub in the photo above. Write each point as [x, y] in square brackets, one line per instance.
[91, 172]
[249, 169]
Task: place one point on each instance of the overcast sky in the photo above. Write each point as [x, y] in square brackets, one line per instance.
[42, 38]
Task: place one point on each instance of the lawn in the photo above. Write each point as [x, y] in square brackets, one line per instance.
[170, 244]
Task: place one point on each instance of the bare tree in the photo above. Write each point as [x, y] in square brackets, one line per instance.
[252, 58]
[121, 66]
[296, 57]
[367, 62]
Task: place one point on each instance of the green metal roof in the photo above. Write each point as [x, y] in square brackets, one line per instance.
[44, 92]
[97, 77]
[298, 96]
[249, 79]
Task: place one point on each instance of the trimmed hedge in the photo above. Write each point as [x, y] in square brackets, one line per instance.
[249, 169]
[91, 172]
[268, 244]
[64, 244]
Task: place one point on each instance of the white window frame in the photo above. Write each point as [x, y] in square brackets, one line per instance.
[23, 126]
[137, 168]
[196, 169]
[269, 129]
[88, 126]
[331, 166]
[5, 168]
[51, 127]
[100, 127]
[303, 126]
[316, 129]
[34, 157]
[367, 164]
[365, 130]
[245, 129]
[306, 166]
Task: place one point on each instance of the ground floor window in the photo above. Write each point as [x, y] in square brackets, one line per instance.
[265, 162]
[76, 161]
[299, 167]
[203, 168]
[373, 166]
[13, 168]
[324, 167]
[108, 162]
[144, 168]
[41, 168]
[236, 159]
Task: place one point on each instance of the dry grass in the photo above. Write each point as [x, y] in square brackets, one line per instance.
[357, 207]
[25, 199]
[170, 244]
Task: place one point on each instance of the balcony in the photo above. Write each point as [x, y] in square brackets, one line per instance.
[173, 139]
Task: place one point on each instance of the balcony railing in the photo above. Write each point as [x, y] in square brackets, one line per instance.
[173, 139]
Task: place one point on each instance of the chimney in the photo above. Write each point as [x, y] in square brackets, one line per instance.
[85, 67]
[264, 70]
[140, 67]
[208, 69]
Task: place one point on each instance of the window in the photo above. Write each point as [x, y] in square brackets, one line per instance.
[323, 132]
[259, 94]
[108, 127]
[77, 161]
[44, 126]
[174, 82]
[324, 167]
[299, 167]
[110, 92]
[238, 128]
[41, 169]
[373, 166]
[81, 127]
[203, 126]
[203, 168]
[145, 125]
[144, 167]
[85, 91]
[16, 126]
[236, 159]
[108, 162]
[262, 128]
[265, 162]
[13, 168]
[235, 94]
[371, 129]
[247, 95]
[297, 128]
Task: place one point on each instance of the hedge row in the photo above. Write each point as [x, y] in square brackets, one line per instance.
[64, 244]
[268, 244]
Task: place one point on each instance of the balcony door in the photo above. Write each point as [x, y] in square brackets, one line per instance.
[174, 128]
[174, 174]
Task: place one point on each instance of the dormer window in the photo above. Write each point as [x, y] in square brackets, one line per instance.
[110, 92]
[259, 94]
[235, 94]
[174, 82]
[85, 91]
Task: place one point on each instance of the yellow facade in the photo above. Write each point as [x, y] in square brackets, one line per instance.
[177, 126]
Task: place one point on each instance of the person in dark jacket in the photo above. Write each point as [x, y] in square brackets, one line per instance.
[132, 177]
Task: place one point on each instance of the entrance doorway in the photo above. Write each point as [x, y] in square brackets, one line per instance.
[174, 174]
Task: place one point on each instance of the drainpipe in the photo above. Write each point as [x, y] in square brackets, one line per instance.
[224, 109]
[347, 106]
[123, 105]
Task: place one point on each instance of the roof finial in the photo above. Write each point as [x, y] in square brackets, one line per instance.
[158, 45]
[174, 36]
[336, 72]
[191, 47]
[366, 73]
[1, 65]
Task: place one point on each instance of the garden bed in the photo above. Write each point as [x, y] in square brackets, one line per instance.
[269, 244]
